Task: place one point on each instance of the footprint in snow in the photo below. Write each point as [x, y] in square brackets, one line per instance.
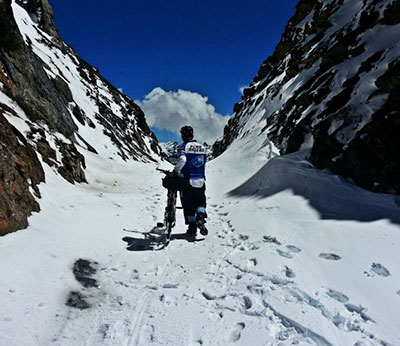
[338, 296]
[398, 292]
[170, 286]
[292, 248]
[284, 254]
[330, 256]
[103, 330]
[236, 332]
[289, 273]
[283, 335]
[134, 275]
[146, 335]
[252, 262]
[270, 239]
[360, 311]
[270, 208]
[247, 303]
[379, 269]
[209, 296]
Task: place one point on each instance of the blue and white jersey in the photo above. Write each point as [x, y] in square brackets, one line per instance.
[192, 162]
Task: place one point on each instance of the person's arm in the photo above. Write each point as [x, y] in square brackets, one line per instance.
[181, 162]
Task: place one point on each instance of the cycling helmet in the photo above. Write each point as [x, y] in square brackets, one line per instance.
[187, 133]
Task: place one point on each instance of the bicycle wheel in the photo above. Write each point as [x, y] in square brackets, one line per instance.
[170, 211]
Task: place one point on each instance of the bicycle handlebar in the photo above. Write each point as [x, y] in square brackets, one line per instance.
[163, 170]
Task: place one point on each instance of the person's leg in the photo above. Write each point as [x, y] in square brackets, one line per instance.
[188, 199]
[183, 195]
[201, 213]
[200, 198]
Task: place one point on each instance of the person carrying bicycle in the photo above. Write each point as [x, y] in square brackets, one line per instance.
[191, 165]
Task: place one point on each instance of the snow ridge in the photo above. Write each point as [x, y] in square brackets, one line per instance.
[330, 86]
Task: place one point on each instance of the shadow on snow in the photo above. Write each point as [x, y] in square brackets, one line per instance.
[330, 195]
[145, 244]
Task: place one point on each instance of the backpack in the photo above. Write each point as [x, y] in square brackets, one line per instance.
[175, 183]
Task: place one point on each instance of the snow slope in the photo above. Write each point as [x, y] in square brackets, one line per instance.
[54, 103]
[120, 121]
[332, 84]
[294, 255]
[281, 265]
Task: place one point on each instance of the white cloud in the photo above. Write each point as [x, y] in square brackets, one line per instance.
[170, 110]
[121, 90]
[242, 88]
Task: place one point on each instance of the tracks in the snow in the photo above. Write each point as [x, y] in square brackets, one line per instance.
[263, 295]
[217, 294]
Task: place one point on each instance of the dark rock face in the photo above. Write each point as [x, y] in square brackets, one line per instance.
[27, 83]
[66, 105]
[20, 170]
[332, 84]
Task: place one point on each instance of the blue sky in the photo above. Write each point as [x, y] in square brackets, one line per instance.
[208, 47]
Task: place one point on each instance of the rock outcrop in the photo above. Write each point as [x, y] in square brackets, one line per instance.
[20, 173]
[55, 106]
[332, 85]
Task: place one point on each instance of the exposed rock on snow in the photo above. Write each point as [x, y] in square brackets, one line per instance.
[59, 104]
[256, 279]
[20, 173]
[77, 300]
[332, 85]
[84, 271]
[170, 150]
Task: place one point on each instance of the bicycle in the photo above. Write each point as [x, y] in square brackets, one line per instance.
[162, 232]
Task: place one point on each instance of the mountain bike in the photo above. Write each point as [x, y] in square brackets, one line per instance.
[162, 232]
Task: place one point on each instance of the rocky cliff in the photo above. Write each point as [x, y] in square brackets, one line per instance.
[54, 107]
[332, 86]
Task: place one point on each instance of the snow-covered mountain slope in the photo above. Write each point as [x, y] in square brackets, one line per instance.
[278, 267]
[170, 151]
[53, 104]
[294, 255]
[332, 85]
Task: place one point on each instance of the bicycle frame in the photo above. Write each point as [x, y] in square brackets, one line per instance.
[170, 212]
[170, 209]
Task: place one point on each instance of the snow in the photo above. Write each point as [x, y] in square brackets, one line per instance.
[18, 122]
[294, 255]
[363, 101]
[65, 66]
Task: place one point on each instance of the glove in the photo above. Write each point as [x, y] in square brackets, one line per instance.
[175, 174]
